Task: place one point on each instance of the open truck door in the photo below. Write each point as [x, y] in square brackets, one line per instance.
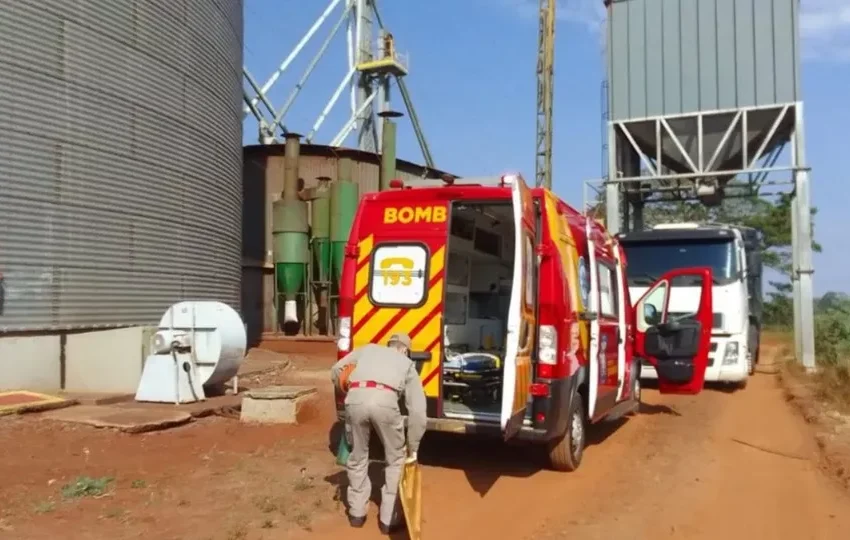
[521, 315]
[677, 347]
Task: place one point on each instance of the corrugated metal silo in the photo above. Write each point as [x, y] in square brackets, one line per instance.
[120, 159]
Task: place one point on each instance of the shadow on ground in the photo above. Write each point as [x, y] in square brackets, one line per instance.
[482, 460]
[339, 481]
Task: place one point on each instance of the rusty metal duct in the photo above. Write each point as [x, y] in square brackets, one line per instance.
[388, 148]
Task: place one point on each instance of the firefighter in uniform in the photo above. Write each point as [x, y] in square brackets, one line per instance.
[381, 376]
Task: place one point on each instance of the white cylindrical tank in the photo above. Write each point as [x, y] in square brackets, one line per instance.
[216, 335]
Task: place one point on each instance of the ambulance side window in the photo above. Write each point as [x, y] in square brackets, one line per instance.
[528, 292]
[608, 297]
[529, 272]
[399, 275]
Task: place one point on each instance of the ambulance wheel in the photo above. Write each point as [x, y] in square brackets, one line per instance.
[565, 453]
[636, 388]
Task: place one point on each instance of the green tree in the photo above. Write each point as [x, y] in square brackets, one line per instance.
[772, 218]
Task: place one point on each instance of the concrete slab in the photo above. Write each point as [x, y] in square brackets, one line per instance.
[129, 420]
[280, 392]
[225, 405]
[276, 404]
[23, 401]
[95, 398]
[262, 360]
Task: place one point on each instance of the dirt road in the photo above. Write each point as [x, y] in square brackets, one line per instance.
[730, 465]
[723, 464]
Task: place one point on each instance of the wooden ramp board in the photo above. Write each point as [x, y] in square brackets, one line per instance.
[410, 492]
[19, 401]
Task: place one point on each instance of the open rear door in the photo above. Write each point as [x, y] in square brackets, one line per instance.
[521, 322]
[677, 347]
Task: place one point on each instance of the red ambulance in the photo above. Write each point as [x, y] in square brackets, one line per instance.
[518, 310]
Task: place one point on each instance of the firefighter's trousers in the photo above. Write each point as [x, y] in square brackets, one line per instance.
[368, 408]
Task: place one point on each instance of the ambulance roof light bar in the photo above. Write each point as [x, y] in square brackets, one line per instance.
[449, 180]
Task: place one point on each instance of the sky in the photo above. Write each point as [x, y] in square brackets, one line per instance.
[473, 84]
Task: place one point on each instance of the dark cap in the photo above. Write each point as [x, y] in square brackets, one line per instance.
[402, 339]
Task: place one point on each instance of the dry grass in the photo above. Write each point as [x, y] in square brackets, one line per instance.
[823, 399]
[830, 384]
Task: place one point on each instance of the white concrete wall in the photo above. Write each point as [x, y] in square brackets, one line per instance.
[30, 362]
[104, 361]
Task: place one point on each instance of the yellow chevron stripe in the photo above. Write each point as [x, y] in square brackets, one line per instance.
[370, 330]
[414, 316]
[362, 277]
[523, 381]
[365, 248]
[438, 261]
[426, 337]
[560, 229]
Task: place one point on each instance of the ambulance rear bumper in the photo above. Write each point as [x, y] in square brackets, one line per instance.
[546, 418]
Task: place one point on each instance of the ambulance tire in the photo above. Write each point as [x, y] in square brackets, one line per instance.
[565, 453]
[636, 388]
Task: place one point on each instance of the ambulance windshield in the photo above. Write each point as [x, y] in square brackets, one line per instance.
[647, 261]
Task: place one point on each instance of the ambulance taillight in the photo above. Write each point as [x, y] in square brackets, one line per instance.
[343, 344]
[547, 351]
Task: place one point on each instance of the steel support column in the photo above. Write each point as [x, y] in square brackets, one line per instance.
[367, 135]
[613, 193]
[612, 208]
[802, 247]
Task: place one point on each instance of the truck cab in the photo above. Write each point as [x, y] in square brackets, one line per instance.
[733, 254]
[521, 321]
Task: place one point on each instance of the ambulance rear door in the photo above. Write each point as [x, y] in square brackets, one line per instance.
[521, 313]
[399, 283]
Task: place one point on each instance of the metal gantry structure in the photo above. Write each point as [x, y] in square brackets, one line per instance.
[692, 116]
[545, 93]
[373, 65]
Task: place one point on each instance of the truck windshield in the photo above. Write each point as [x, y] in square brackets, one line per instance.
[647, 261]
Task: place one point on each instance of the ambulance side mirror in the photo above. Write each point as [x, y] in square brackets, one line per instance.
[650, 314]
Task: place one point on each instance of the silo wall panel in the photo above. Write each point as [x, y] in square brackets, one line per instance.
[668, 57]
[120, 159]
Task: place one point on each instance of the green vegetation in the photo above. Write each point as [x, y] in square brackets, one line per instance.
[85, 486]
[45, 507]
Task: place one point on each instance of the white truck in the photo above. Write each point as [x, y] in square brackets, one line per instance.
[734, 255]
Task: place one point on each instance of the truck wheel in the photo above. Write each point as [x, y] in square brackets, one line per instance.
[565, 453]
[753, 347]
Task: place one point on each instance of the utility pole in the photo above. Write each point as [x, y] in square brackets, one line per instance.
[545, 83]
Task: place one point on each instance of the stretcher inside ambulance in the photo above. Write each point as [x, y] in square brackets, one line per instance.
[518, 310]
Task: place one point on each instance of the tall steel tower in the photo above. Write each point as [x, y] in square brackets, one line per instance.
[545, 92]
[373, 65]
